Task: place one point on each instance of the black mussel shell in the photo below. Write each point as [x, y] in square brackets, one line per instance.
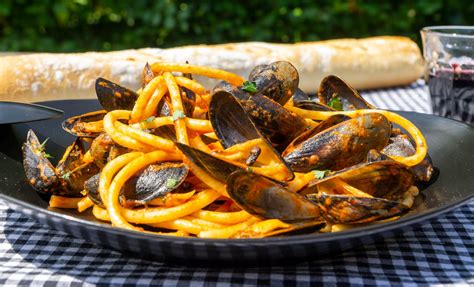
[278, 80]
[75, 125]
[401, 145]
[278, 124]
[342, 209]
[72, 170]
[39, 171]
[114, 97]
[267, 199]
[215, 167]
[147, 75]
[333, 86]
[385, 179]
[233, 125]
[340, 146]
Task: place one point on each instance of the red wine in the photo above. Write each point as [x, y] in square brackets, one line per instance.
[452, 91]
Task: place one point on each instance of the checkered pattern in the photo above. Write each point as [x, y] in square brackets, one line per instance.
[439, 252]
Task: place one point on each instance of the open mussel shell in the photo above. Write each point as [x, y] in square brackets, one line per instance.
[229, 120]
[278, 80]
[313, 106]
[323, 125]
[91, 187]
[300, 96]
[39, 171]
[154, 182]
[233, 126]
[333, 86]
[267, 199]
[401, 145]
[77, 125]
[340, 146]
[278, 124]
[72, 170]
[385, 179]
[114, 97]
[215, 167]
[103, 149]
[157, 180]
[166, 131]
[343, 209]
[147, 75]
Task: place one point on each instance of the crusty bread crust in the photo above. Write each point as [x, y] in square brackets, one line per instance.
[364, 63]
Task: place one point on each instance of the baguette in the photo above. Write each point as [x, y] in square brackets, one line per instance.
[364, 63]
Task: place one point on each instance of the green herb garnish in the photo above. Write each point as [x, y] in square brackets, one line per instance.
[66, 175]
[171, 182]
[335, 102]
[250, 87]
[320, 174]
[43, 145]
[178, 115]
[47, 155]
[42, 148]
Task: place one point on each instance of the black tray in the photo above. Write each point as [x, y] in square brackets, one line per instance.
[451, 146]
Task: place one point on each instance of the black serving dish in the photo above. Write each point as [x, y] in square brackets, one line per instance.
[451, 146]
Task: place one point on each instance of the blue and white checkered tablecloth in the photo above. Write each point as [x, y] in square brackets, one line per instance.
[439, 252]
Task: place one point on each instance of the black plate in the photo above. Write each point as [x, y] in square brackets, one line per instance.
[451, 147]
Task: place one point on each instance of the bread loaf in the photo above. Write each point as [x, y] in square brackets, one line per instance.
[364, 63]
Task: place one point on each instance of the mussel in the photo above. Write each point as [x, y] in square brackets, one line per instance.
[278, 124]
[113, 96]
[401, 145]
[73, 170]
[343, 209]
[385, 179]
[147, 75]
[156, 181]
[333, 91]
[87, 125]
[215, 167]
[267, 199]
[103, 149]
[339, 146]
[278, 80]
[66, 179]
[233, 126]
[41, 174]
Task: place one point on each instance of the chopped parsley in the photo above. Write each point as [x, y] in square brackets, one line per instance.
[171, 182]
[66, 175]
[335, 102]
[42, 149]
[43, 145]
[178, 115]
[320, 174]
[47, 155]
[250, 87]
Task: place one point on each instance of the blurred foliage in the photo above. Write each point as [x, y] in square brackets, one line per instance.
[79, 25]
